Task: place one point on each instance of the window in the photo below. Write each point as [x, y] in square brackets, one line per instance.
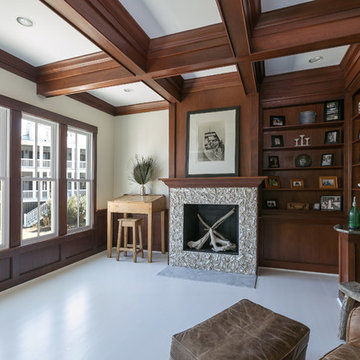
[39, 178]
[4, 178]
[79, 179]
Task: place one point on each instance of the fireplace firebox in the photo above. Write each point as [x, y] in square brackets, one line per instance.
[194, 229]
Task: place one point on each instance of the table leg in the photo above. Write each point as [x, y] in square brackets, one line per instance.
[149, 244]
[125, 235]
[109, 233]
[162, 214]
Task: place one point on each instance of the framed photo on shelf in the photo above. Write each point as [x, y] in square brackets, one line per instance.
[328, 182]
[277, 120]
[273, 161]
[327, 160]
[331, 202]
[332, 137]
[297, 206]
[271, 204]
[212, 142]
[277, 141]
[333, 110]
[272, 182]
[296, 183]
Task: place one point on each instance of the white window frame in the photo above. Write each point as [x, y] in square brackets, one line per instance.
[54, 178]
[4, 176]
[89, 178]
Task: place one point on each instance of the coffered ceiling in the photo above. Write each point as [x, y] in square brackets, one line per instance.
[113, 53]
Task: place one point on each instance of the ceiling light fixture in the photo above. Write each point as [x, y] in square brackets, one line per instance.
[315, 59]
[127, 90]
[24, 21]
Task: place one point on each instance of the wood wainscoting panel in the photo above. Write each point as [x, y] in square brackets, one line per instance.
[301, 244]
[77, 244]
[5, 269]
[38, 258]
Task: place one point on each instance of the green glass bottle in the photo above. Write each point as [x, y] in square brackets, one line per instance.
[354, 216]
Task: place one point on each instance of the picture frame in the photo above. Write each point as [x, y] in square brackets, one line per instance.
[212, 142]
[297, 206]
[271, 204]
[272, 182]
[327, 159]
[277, 120]
[277, 141]
[332, 137]
[296, 183]
[331, 202]
[328, 182]
[333, 110]
[273, 162]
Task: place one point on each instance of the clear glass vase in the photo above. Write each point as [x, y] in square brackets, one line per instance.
[142, 190]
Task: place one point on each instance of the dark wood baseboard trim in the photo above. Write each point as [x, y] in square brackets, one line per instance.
[330, 269]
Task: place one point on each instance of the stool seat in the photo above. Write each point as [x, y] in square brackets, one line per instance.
[135, 225]
[242, 332]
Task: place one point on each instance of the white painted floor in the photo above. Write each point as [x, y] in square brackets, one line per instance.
[100, 309]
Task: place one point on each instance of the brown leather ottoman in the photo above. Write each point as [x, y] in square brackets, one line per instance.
[243, 331]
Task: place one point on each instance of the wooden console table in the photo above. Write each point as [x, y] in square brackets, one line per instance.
[137, 204]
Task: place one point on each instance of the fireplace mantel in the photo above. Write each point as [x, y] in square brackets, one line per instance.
[202, 182]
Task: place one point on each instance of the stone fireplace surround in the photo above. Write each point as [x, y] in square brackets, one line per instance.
[241, 191]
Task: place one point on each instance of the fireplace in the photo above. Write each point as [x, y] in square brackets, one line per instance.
[216, 196]
[194, 228]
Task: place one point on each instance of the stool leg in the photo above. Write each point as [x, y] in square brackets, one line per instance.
[134, 243]
[118, 244]
[140, 241]
[126, 234]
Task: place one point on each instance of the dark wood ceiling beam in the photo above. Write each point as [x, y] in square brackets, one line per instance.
[239, 21]
[94, 102]
[189, 51]
[17, 66]
[108, 25]
[144, 107]
[211, 82]
[306, 27]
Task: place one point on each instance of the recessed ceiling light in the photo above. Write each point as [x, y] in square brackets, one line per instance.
[127, 90]
[315, 59]
[24, 21]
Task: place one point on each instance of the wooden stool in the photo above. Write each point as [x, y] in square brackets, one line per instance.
[125, 224]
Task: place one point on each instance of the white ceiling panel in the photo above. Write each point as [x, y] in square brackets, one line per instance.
[269, 5]
[163, 17]
[209, 72]
[129, 94]
[50, 39]
[298, 62]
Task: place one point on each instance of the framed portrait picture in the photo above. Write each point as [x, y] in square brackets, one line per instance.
[332, 137]
[277, 141]
[277, 120]
[272, 182]
[333, 110]
[328, 182]
[212, 142]
[331, 202]
[273, 161]
[296, 183]
[271, 204]
[327, 160]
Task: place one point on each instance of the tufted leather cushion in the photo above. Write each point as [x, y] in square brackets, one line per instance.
[243, 331]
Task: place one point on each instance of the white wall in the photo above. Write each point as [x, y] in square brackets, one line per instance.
[143, 134]
[24, 90]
